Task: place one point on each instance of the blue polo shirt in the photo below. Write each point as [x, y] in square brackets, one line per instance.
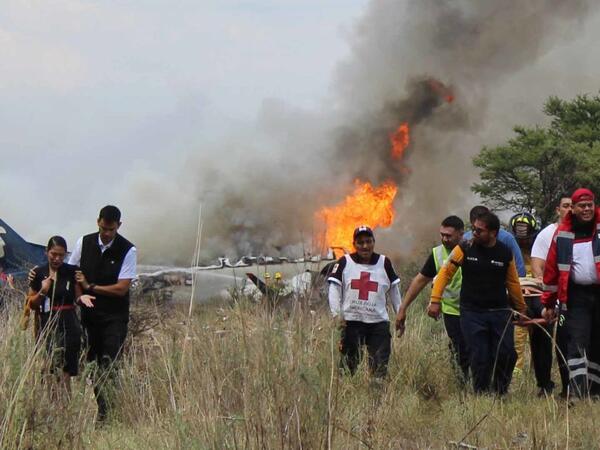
[507, 239]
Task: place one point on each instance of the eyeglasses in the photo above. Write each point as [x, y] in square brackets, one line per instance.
[477, 230]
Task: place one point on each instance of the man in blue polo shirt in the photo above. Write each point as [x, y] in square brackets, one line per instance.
[503, 236]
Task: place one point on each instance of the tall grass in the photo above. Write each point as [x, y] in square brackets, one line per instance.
[243, 377]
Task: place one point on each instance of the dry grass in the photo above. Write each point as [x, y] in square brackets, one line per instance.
[245, 378]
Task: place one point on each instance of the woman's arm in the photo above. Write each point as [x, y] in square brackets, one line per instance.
[34, 299]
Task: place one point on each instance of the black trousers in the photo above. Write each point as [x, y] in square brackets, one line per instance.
[376, 337]
[583, 348]
[540, 341]
[562, 351]
[105, 339]
[458, 345]
[62, 333]
[489, 334]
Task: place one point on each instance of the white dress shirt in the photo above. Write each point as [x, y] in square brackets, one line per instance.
[128, 268]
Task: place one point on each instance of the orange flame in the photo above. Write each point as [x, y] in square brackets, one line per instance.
[400, 140]
[367, 205]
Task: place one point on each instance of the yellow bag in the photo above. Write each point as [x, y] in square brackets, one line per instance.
[26, 316]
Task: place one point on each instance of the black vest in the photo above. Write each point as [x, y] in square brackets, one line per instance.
[103, 269]
[484, 272]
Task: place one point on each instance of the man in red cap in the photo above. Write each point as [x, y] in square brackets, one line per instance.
[572, 290]
[358, 286]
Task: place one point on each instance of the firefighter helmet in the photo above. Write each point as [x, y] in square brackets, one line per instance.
[524, 225]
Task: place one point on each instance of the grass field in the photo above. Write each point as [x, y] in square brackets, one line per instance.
[236, 376]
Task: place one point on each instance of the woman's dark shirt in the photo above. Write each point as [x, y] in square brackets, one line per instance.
[61, 294]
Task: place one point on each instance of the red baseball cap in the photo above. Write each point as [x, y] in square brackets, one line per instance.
[582, 194]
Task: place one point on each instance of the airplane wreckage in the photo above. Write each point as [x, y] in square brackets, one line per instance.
[274, 278]
[261, 276]
[277, 278]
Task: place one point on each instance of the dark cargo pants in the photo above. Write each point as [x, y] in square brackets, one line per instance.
[489, 335]
[375, 336]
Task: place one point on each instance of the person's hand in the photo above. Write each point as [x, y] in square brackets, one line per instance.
[80, 278]
[520, 319]
[529, 291]
[433, 310]
[87, 300]
[400, 322]
[31, 274]
[46, 284]
[340, 323]
[549, 314]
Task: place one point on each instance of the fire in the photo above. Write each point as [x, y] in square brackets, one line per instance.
[367, 205]
[400, 140]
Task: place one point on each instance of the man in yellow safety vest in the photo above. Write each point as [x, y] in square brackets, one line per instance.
[451, 233]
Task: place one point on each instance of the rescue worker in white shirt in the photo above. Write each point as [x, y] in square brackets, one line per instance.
[539, 252]
[451, 233]
[358, 285]
[108, 264]
[540, 248]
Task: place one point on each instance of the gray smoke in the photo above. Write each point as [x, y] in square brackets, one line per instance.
[471, 47]
[260, 191]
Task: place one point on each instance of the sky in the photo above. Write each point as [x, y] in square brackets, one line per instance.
[146, 104]
[93, 93]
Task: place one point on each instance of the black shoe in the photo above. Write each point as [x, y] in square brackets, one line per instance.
[564, 394]
[546, 390]
[101, 417]
[543, 392]
[101, 421]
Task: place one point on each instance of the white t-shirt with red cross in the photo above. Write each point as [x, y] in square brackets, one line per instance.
[364, 288]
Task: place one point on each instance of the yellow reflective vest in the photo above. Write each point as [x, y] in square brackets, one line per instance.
[451, 295]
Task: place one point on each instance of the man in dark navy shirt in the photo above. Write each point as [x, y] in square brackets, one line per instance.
[489, 277]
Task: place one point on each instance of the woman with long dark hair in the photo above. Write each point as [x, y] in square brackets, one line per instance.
[54, 293]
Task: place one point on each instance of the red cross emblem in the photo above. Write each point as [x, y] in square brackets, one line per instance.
[364, 285]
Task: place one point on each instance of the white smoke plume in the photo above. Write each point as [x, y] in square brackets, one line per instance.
[259, 191]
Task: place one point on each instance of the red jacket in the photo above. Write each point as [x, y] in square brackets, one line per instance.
[560, 258]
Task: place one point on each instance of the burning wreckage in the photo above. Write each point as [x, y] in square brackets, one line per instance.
[384, 144]
[276, 278]
[301, 278]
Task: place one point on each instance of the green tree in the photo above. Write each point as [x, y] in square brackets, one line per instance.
[533, 168]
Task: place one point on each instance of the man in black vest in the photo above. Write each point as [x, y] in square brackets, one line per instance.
[108, 264]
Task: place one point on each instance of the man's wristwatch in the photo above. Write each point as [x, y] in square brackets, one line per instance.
[92, 287]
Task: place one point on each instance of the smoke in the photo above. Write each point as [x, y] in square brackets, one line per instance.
[257, 190]
[439, 66]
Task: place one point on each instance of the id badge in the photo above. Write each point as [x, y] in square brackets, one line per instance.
[46, 306]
